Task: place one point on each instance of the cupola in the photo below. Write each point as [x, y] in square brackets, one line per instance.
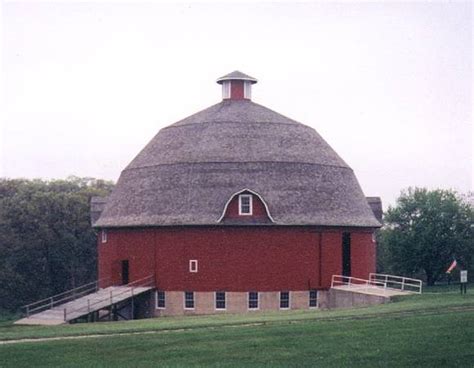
[236, 86]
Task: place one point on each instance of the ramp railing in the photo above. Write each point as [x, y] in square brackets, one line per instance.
[61, 298]
[354, 282]
[401, 283]
[108, 299]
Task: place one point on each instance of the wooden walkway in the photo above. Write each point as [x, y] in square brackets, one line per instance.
[378, 284]
[372, 290]
[101, 299]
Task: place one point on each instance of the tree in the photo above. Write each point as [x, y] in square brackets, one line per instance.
[425, 231]
[47, 244]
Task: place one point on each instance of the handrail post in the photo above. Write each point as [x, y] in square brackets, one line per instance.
[65, 315]
[27, 311]
[403, 284]
[88, 306]
[110, 297]
[51, 302]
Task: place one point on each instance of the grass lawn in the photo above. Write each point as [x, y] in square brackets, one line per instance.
[432, 330]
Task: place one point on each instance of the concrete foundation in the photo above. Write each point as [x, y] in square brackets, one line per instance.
[348, 299]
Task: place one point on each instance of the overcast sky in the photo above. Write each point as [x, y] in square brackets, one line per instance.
[389, 85]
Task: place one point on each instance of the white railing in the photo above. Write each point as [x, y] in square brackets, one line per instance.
[63, 297]
[398, 282]
[354, 282]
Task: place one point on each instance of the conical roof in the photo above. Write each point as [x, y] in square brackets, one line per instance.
[189, 170]
[236, 75]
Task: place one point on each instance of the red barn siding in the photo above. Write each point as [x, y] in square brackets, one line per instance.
[331, 263]
[237, 90]
[363, 259]
[234, 258]
[237, 259]
[136, 246]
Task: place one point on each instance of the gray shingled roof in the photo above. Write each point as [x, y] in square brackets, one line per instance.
[189, 170]
[236, 75]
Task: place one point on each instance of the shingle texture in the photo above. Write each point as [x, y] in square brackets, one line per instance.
[236, 75]
[190, 169]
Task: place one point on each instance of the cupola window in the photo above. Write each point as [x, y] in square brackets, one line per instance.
[226, 90]
[245, 204]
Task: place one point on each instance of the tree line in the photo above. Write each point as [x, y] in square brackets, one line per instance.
[47, 244]
[425, 232]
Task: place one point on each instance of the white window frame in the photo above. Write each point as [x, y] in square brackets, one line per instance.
[156, 299]
[250, 197]
[193, 265]
[226, 89]
[104, 236]
[194, 300]
[248, 90]
[248, 300]
[317, 299]
[289, 300]
[215, 300]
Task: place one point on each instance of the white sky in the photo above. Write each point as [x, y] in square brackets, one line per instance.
[389, 85]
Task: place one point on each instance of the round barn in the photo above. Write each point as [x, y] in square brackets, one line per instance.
[236, 208]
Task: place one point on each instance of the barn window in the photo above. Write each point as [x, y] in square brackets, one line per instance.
[245, 204]
[189, 300]
[253, 300]
[220, 300]
[313, 298]
[104, 236]
[160, 299]
[193, 265]
[284, 299]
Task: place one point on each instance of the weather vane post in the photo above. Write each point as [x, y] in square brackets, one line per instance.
[463, 276]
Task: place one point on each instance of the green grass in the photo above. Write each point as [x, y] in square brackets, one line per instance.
[431, 330]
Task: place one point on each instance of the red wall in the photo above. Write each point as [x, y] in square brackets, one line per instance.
[331, 250]
[237, 90]
[136, 246]
[234, 258]
[363, 258]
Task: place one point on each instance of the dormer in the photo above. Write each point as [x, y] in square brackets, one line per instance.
[246, 207]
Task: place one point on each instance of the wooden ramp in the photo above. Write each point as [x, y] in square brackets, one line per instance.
[378, 284]
[371, 290]
[51, 312]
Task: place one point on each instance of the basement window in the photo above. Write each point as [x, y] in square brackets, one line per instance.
[160, 300]
[189, 300]
[193, 265]
[313, 298]
[104, 236]
[284, 300]
[245, 204]
[253, 300]
[220, 300]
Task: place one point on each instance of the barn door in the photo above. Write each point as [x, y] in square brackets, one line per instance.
[346, 254]
[125, 272]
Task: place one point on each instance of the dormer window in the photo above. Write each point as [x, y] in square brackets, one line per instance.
[245, 204]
